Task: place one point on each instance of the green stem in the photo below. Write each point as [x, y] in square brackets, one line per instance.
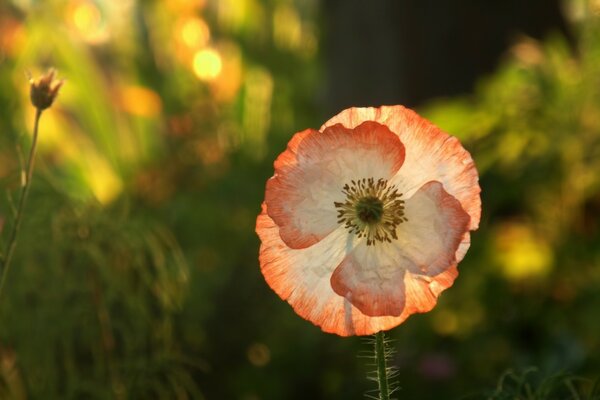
[12, 242]
[382, 371]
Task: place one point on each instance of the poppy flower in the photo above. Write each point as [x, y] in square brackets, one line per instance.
[365, 220]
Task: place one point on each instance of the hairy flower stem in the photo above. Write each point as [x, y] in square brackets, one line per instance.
[382, 370]
[25, 184]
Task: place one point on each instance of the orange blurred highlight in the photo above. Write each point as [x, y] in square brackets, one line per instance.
[595, 7]
[194, 32]
[528, 51]
[12, 37]
[207, 64]
[185, 5]
[226, 86]
[141, 101]
[86, 19]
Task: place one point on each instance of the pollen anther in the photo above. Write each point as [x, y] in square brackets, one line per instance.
[372, 210]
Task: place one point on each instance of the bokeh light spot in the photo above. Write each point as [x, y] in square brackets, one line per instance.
[138, 100]
[259, 354]
[86, 16]
[194, 32]
[520, 253]
[207, 64]
[225, 88]
[185, 5]
[87, 20]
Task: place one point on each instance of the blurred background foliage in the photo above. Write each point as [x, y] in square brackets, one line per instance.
[136, 273]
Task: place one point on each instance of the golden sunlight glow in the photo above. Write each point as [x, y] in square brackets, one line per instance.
[226, 87]
[72, 149]
[595, 7]
[231, 14]
[86, 19]
[101, 178]
[194, 32]
[138, 100]
[86, 16]
[207, 64]
[185, 5]
[520, 253]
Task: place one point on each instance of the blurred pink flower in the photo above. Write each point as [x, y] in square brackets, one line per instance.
[365, 220]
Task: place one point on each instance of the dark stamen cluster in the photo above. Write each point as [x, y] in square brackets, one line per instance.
[372, 209]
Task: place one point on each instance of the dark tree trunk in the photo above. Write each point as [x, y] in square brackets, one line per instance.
[408, 51]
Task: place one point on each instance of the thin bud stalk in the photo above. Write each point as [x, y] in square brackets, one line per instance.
[42, 93]
[26, 184]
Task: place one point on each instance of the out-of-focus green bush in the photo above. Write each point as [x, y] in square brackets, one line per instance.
[528, 291]
[149, 175]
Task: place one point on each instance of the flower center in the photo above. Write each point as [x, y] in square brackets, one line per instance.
[372, 210]
[369, 209]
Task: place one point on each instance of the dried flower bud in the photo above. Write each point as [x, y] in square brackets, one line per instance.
[44, 89]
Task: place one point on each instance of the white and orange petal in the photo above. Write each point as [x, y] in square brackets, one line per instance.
[431, 154]
[301, 277]
[331, 276]
[373, 278]
[309, 176]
